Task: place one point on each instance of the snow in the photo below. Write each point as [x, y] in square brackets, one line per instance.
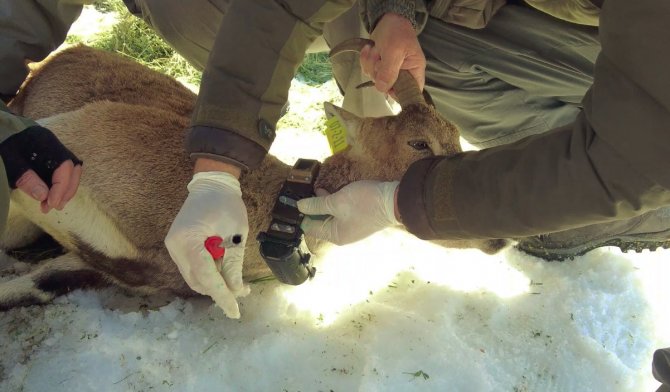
[390, 313]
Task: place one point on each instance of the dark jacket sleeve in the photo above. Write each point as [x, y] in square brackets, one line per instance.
[29, 31]
[9, 125]
[611, 163]
[245, 84]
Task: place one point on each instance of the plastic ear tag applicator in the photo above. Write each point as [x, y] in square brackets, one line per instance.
[336, 134]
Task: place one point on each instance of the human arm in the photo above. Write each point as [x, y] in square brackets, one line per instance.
[609, 164]
[29, 31]
[36, 162]
[244, 89]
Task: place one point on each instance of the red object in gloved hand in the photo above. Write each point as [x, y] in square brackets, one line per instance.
[214, 246]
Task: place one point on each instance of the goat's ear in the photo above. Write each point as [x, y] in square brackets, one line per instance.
[428, 98]
[351, 122]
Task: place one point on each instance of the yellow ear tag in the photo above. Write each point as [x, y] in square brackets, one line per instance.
[336, 134]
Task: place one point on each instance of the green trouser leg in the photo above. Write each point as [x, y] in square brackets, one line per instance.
[525, 73]
[31, 29]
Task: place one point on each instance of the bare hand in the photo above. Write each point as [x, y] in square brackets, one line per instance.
[396, 47]
[65, 182]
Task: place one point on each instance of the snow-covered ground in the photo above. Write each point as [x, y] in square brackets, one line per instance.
[386, 314]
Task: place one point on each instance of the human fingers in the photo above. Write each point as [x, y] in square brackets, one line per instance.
[32, 184]
[319, 205]
[368, 57]
[73, 186]
[59, 184]
[199, 271]
[387, 68]
[232, 271]
[210, 281]
[320, 228]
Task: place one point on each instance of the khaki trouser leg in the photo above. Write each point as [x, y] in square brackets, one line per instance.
[525, 73]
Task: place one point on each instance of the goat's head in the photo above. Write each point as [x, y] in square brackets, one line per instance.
[383, 148]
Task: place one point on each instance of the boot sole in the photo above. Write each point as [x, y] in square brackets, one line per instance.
[569, 254]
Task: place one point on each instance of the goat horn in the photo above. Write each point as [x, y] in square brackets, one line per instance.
[406, 89]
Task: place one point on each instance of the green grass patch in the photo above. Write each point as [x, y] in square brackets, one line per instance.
[133, 38]
[109, 5]
[315, 69]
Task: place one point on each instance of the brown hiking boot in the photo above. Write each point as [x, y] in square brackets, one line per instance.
[650, 230]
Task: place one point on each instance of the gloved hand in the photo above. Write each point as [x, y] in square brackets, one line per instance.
[40, 165]
[214, 207]
[357, 210]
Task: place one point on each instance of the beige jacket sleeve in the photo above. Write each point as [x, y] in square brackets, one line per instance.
[611, 163]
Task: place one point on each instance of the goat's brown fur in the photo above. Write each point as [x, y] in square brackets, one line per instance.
[127, 123]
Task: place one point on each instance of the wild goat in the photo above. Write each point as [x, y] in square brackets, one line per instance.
[127, 123]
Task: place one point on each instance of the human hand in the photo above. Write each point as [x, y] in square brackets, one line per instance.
[357, 210]
[396, 47]
[37, 163]
[214, 207]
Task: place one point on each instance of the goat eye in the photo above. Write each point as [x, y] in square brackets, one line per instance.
[418, 145]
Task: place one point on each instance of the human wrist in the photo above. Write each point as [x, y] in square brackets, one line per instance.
[398, 21]
[390, 193]
[374, 10]
[211, 165]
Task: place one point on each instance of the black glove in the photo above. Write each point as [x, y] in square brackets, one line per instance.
[35, 148]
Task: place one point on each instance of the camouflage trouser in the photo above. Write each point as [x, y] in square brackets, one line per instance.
[525, 73]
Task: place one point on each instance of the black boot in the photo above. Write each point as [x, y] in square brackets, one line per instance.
[647, 231]
[660, 368]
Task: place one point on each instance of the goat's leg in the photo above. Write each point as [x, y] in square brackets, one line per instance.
[49, 280]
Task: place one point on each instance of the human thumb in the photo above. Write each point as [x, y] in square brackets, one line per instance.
[387, 70]
[316, 206]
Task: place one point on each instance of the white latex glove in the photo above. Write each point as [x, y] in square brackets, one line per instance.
[214, 207]
[356, 211]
